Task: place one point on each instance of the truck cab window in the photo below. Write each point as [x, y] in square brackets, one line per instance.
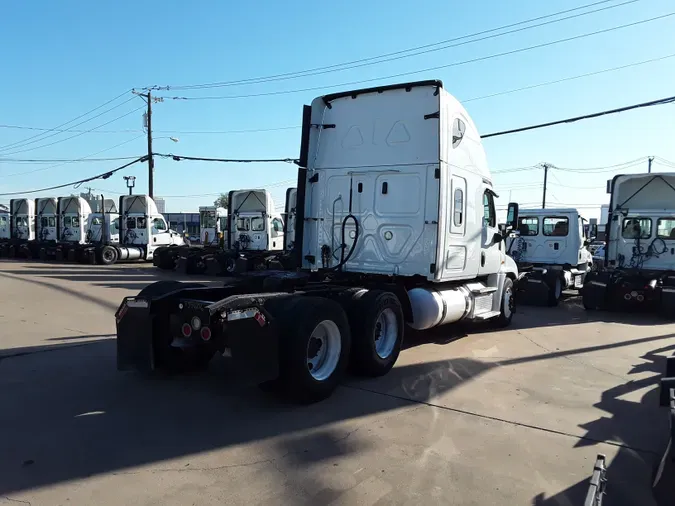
[76, 221]
[458, 205]
[528, 226]
[634, 228]
[489, 214]
[158, 225]
[141, 223]
[208, 219]
[243, 224]
[96, 221]
[115, 226]
[257, 224]
[556, 226]
[44, 222]
[51, 221]
[223, 223]
[67, 221]
[277, 225]
[131, 223]
[665, 228]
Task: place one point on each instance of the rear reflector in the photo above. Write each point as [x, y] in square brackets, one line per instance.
[206, 333]
[186, 329]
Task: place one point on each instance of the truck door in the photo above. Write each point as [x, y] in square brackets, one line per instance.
[491, 249]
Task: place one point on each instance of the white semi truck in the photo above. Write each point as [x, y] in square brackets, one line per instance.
[550, 247]
[254, 238]
[396, 225]
[639, 266]
[67, 229]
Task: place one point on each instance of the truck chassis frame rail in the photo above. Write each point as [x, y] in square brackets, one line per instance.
[265, 324]
[630, 289]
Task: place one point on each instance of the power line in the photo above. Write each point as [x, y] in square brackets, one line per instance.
[515, 169]
[78, 134]
[661, 101]
[572, 78]
[178, 158]
[608, 168]
[429, 69]
[29, 142]
[61, 130]
[295, 127]
[103, 175]
[415, 51]
[82, 159]
[54, 160]
[67, 122]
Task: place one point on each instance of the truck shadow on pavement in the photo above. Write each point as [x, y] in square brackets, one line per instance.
[125, 277]
[68, 414]
[631, 423]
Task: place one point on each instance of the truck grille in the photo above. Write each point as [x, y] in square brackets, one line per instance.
[482, 304]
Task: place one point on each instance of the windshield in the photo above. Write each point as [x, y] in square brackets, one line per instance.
[257, 224]
[207, 219]
[243, 224]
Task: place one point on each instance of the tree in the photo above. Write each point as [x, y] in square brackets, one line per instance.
[221, 201]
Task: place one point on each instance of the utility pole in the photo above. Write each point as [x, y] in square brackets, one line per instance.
[649, 167]
[148, 124]
[543, 198]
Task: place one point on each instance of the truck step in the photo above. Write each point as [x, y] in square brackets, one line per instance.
[487, 315]
[480, 288]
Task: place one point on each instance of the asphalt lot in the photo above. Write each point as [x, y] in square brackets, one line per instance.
[468, 417]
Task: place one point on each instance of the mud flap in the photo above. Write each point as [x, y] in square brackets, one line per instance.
[533, 288]
[595, 289]
[252, 349]
[134, 338]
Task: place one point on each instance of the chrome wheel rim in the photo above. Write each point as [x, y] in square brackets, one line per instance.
[386, 333]
[507, 302]
[323, 350]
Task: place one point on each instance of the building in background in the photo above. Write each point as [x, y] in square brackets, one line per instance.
[161, 205]
[184, 223]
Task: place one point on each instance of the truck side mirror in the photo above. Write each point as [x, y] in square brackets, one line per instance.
[512, 216]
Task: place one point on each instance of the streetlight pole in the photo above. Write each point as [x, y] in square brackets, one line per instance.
[131, 182]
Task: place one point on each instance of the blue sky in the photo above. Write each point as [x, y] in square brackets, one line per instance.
[62, 59]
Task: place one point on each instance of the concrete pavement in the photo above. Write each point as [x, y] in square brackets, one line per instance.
[509, 417]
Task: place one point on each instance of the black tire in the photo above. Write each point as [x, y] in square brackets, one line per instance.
[589, 305]
[164, 260]
[554, 291]
[194, 264]
[42, 255]
[11, 251]
[168, 359]
[368, 312]
[506, 312]
[298, 317]
[109, 255]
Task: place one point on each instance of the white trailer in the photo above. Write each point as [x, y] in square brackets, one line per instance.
[550, 247]
[396, 225]
[639, 267]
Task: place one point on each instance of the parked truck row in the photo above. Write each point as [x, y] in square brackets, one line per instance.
[67, 228]
[249, 235]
